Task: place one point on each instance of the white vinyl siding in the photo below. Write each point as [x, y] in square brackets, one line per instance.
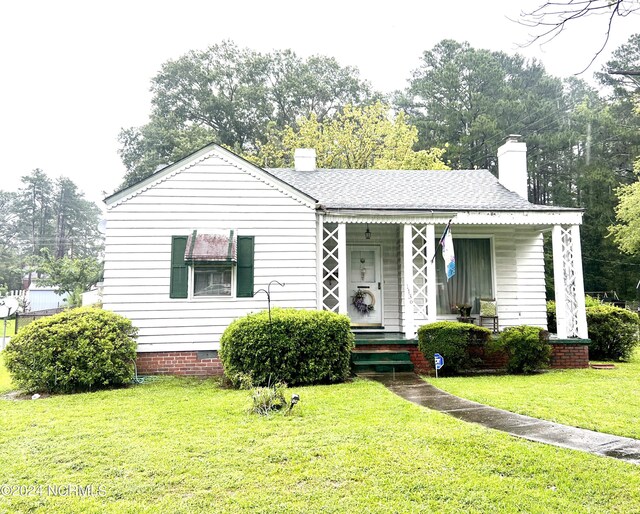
[520, 287]
[212, 195]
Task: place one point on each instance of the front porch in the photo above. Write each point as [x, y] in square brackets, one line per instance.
[387, 261]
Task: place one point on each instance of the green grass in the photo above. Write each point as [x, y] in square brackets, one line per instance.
[11, 324]
[5, 379]
[189, 446]
[602, 400]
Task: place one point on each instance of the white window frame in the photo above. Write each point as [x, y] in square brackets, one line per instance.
[218, 298]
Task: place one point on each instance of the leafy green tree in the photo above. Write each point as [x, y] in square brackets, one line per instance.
[356, 138]
[470, 99]
[230, 95]
[69, 275]
[626, 232]
[48, 216]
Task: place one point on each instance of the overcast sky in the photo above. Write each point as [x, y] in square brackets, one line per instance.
[75, 72]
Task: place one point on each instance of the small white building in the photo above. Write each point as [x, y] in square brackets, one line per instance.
[187, 247]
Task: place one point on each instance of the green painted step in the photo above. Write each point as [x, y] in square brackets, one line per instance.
[380, 355]
[382, 366]
[381, 361]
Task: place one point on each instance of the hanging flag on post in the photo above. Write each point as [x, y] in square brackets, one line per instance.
[447, 252]
[446, 241]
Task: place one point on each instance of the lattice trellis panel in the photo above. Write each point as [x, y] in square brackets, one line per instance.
[330, 260]
[570, 290]
[419, 263]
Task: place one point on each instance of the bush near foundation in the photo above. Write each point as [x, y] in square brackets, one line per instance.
[613, 332]
[589, 301]
[296, 347]
[527, 347]
[452, 339]
[76, 350]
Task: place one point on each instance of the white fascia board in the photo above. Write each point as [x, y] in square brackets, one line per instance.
[538, 218]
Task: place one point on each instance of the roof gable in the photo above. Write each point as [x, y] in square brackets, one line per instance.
[212, 150]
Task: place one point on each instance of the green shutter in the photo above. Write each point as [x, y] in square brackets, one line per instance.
[179, 286]
[245, 267]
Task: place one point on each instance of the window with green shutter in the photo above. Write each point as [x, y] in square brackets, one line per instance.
[179, 281]
[211, 278]
[244, 279]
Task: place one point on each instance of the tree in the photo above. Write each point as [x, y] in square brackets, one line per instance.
[33, 207]
[551, 18]
[356, 138]
[471, 99]
[626, 232]
[230, 95]
[44, 216]
[76, 221]
[626, 57]
[69, 275]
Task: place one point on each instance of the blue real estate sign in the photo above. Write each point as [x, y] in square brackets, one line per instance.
[439, 361]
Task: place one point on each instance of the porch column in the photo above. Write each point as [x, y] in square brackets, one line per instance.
[343, 295]
[408, 321]
[432, 298]
[569, 286]
[583, 331]
[320, 262]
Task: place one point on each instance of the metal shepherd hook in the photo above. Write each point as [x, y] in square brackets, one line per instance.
[268, 293]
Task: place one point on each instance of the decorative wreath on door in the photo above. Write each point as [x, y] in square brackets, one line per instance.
[363, 301]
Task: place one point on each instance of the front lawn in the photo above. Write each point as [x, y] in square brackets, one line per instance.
[11, 327]
[179, 445]
[5, 379]
[606, 400]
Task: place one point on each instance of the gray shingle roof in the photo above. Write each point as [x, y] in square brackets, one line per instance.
[406, 189]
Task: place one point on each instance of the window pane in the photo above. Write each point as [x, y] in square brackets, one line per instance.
[473, 279]
[363, 266]
[212, 281]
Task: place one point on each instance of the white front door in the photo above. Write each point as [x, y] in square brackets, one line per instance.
[364, 283]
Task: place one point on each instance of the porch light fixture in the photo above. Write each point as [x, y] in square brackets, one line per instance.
[367, 233]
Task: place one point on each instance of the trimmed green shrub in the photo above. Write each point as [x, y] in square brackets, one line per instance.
[297, 347]
[527, 347]
[613, 332]
[452, 339]
[551, 317]
[76, 350]
[589, 301]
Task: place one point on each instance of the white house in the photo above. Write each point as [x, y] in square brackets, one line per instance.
[187, 247]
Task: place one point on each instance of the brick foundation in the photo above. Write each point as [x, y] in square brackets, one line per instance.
[564, 356]
[568, 355]
[202, 364]
[206, 364]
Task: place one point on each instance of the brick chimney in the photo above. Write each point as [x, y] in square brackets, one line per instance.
[512, 165]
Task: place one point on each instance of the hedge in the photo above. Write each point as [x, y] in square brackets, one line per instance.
[76, 350]
[613, 332]
[527, 348]
[452, 339]
[296, 347]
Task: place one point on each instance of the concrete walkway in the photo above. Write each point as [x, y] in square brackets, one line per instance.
[412, 388]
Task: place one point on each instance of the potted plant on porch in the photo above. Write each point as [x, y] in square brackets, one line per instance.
[464, 309]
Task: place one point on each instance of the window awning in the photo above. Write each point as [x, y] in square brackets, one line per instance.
[216, 247]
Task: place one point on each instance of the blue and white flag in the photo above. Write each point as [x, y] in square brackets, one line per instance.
[447, 253]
